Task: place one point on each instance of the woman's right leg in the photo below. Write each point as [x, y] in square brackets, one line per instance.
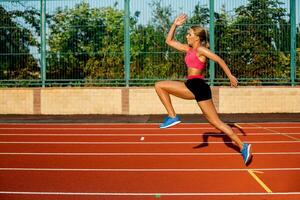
[176, 88]
[210, 113]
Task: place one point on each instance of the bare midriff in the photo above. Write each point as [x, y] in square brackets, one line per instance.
[194, 64]
[194, 73]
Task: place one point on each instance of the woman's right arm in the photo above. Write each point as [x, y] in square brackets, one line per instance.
[170, 40]
[209, 54]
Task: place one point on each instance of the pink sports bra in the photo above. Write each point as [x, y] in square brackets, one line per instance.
[191, 60]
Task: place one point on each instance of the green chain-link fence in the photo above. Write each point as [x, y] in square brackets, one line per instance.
[121, 42]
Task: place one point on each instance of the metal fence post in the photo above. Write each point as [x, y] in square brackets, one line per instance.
[127, 42]
[293, 41]
[43, 41]
[211, 40]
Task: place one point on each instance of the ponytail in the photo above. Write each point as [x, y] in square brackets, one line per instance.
[206, 39]
[202, 33]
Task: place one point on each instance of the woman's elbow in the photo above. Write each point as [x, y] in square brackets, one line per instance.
[221, 62]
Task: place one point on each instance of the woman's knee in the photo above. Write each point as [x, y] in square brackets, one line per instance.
[159, 85]
[224, 128]
[217, 123]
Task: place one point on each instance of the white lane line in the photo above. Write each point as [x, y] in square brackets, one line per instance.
[137, 134]
[144, 154]
[132, 124]
[279, 133]
[104, 128]
[148, 170]
[90, 124]
[148, 194]
[128, 128]
[143, 143]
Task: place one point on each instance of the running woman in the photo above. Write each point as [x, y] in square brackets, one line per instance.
[197, 53]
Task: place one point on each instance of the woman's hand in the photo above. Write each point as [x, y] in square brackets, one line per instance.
[180, 19]
[233, 81]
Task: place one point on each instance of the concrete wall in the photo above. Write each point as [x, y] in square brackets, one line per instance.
[141, 101]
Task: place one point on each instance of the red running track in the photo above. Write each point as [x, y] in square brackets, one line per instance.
[110, 161]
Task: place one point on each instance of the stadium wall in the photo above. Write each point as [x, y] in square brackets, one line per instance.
[144, 101]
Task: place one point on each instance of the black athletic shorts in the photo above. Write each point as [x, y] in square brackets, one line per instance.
[199, 88]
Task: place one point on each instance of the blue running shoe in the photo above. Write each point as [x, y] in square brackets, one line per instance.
[246, 153]
[169, 121]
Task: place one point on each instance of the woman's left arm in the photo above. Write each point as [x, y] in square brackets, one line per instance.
[207, 53]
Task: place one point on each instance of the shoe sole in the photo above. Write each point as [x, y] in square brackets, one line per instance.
[173, 124]
[249, 154]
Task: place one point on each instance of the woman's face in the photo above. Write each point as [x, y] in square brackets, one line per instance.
[191, 37]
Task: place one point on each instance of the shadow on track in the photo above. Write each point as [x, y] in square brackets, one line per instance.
[228, 142]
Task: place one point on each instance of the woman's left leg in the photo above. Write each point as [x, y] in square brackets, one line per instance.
[209, 111]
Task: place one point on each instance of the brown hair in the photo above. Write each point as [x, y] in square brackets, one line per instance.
[202, 34]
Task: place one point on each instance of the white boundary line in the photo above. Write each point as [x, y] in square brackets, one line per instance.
[279, 133]
[136, 123]
[143, 154]
[105, 128]
[129, 128]
[148, 170]
[148, 194]
[151, 143]
[284, 134]
[138, 134]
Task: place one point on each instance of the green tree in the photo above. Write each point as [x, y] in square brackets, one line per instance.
[86, 43]
[200, 16]
[151, 57]
[253, 47]
[15, 42]
[298, 53]
[222, 38]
